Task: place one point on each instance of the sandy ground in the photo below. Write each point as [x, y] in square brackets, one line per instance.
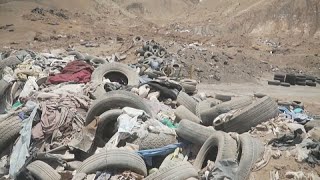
[240, 44]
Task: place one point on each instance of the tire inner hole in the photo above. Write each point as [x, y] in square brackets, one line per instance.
[211, 155]
[117, 77]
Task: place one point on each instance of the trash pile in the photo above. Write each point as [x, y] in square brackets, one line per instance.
[67, 115]
[292, 79]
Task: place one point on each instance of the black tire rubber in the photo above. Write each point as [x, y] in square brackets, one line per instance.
[291, 79]
[279, 76]
[225, 144]
[194, 132]
[114, 158]
[137, 39]
[4, 85]
[147, 54]
[301, 83]
[203, 106]
[189, 88]
[114, 100]
[260, 111]
[299, 79]
[279, 79]
[42, 171]
[276, 83]
[187, 101]
[189, 81]
[285, 84]
[106, 118]
[301, 76]
[153, 140]
[9, 61]
[98, 61]
[115, 67]
[251, 150]
[259, 95]
[311, 78]
[77, 55]
[222, 97]
[207, 116]
[310, 83]
[175, 171]
[9, 131]
[183, 113]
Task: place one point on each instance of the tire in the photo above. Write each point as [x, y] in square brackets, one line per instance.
[137, 39]
[291, 79]
[279, 79]
[285, 84]
[222, 97]
[77, 55]
[115, 158]
[188, 88]
[225, 145]
[183, 113]
[301, 76]
[251, 150]
[42, 171]
[194, 132]
[9, 61]
[301, 83]
[203, 106]
[147, 54]
[175, 171]
[106, 118]
[276, 83]
[113, 100]
[153, 141]
[98, 61]
[207, 116]
[252, 115]
[259, 95]
[125, 71]
[9, 131]
[187, 101]
[311, 78]
[4, 85]
[310, 83]
[279, 76]
[299, 79]
[189, 81]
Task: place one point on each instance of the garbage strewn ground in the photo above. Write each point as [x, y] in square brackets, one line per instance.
[68, 115]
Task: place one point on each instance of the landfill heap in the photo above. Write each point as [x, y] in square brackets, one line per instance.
[67, 115]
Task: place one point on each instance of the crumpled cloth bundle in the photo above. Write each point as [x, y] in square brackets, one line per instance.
[58, 110]
[75, 71]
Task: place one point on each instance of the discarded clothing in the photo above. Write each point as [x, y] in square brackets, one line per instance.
[75, 71]
[288, 140]
[298, 115]
[58, 110]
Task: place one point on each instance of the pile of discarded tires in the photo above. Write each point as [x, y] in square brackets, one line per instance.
[138, 125]
[287, 80]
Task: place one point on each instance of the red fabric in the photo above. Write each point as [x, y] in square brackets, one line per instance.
[75, 71]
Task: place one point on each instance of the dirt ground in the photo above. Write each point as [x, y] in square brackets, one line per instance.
[230, 46]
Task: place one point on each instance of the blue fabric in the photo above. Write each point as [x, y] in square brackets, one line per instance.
[298, 116]
[163, 151]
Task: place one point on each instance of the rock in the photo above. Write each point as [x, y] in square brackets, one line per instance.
[312, 124]
[315, 134]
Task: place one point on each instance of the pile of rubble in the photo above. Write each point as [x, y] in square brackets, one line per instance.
[67, 115]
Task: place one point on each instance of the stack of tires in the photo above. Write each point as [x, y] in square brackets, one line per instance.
[292, 79]
[301, 80]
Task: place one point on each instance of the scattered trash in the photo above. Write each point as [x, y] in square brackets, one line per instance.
[87, 117]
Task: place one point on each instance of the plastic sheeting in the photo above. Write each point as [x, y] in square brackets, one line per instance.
[20, 151]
